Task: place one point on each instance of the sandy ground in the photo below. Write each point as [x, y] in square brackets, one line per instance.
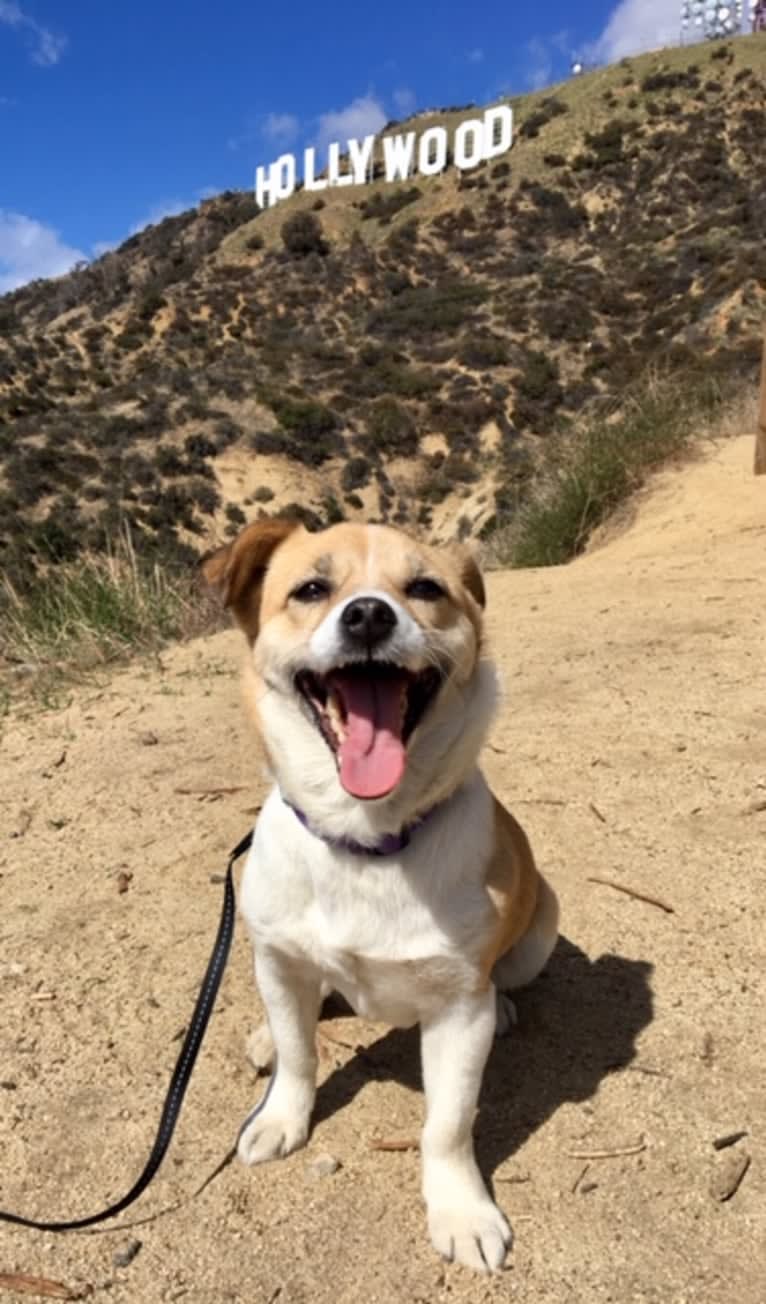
[632, 744]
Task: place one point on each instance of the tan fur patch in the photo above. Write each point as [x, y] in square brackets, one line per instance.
[512, 882]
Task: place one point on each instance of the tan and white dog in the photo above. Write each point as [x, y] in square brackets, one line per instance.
[382, 867]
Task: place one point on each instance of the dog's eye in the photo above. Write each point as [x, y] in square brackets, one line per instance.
[311, 591]
[425, 590]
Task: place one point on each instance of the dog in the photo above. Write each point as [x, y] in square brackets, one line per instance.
[382, 866]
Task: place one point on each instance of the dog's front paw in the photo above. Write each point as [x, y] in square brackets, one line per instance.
[475, 1233]
[269, 1134]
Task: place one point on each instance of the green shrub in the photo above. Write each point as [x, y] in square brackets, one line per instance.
[390, 428]
[302, 234]
[384, 207]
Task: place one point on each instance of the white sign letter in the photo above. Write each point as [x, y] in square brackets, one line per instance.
[281, 181]
[397, 152]
[361, 157]
[465, 156]
[337, 178]
[432, 151]
[262, 186]
[310, 179]
[498, 130]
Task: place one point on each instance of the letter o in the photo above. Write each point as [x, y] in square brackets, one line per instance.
[468, 157]
[282, 177]
[432, 151]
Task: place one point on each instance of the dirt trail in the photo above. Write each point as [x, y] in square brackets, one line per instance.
[632, 744]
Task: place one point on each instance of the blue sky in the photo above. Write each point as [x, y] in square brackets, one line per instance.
[113, 116]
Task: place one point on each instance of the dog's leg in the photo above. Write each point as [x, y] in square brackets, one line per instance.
[464, 1223]
[524, 961]
[280, 1123]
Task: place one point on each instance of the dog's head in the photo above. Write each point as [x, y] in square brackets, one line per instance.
[366, 651]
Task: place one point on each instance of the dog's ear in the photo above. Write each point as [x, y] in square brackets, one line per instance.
[471, 576]
[237, 570]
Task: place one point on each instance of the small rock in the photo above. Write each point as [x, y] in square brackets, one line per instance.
[148, 739]
[121, 1258]
[324, 1166]
[728, 1175]
[124, 879]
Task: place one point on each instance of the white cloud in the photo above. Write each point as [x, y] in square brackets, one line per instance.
[281, 127]
[476, 55]
[539, 68]
[634, 26]
[46, 46]
[405, 100]
[29, 249]
[359, 118]
[164, 208]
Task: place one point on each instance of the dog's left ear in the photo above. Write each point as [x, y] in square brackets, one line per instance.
[238, 569]
[471, 576]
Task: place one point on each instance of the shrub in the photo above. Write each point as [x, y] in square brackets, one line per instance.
[355, 474]
[302, 234]
[384, 207]
[482, 351]
[538, 393]
[432, 309]
[391, 428]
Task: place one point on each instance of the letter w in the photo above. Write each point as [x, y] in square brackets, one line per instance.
[397, 152]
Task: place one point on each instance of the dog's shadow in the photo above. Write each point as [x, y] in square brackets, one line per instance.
[578, 1022]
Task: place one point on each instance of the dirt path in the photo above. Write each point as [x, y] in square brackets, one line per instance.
[632, 744]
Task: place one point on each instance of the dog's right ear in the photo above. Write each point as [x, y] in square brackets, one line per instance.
[237, 569]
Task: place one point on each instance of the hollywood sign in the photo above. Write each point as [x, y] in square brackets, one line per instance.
[474, 141]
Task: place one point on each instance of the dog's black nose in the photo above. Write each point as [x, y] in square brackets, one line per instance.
[368, 621]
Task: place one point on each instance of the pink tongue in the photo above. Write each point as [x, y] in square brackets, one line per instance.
[372, 756]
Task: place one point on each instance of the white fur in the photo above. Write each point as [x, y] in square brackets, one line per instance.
[400, 937]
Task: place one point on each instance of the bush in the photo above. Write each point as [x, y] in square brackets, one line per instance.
[355, 474]
[384, 207]
[538, 393]
[431, 309]
[304, 416]
[302, 234]
[391, 428]
[482, 351]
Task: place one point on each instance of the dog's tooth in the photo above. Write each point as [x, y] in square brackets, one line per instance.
[335, 714]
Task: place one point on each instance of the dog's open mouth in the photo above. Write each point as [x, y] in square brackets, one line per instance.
[366, 714]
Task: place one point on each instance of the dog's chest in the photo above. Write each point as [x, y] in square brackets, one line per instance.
[397, 939]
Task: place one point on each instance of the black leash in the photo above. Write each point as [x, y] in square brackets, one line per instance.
[182, 1071]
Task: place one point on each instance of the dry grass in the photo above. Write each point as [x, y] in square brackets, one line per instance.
[96, 610]
[607, 460]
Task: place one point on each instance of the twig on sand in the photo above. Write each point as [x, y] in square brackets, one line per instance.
[579, 1178]
[632, 892]
[21, 1283]
[617, 1153]
[597, 812]
[202, 793]
[394, 1144]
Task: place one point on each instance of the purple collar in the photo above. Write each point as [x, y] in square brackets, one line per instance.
[389, 845]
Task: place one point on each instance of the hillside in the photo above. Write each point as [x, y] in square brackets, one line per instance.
[414, 351]
[631, 746]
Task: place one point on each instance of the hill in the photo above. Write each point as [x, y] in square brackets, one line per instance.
[414, 350]
[631, 748]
